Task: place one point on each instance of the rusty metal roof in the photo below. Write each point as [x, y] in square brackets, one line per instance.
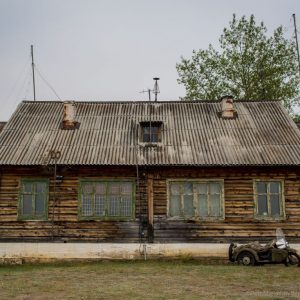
[192, 134]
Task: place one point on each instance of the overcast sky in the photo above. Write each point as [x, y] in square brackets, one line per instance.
[106, 50]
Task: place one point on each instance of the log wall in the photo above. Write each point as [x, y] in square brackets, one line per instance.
[239, 223]
[66, 226]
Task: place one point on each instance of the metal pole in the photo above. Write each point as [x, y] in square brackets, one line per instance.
[156, 88]
[145, 251]
[54, 196]
[33, 80]
[55, 155]
[296, 37]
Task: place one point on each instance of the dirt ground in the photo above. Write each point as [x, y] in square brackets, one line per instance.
[148, 280]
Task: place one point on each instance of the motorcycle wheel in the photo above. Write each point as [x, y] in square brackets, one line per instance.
[294, 259]
[246, 258]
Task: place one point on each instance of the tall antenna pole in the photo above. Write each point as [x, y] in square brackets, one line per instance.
[33, 80]
[156, 88]
[296, 37]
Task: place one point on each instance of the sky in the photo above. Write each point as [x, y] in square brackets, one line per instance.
[110, 50]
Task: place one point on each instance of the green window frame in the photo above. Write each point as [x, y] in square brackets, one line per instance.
[106, 199]
[33, 199]
[196, 199]
[269, 199]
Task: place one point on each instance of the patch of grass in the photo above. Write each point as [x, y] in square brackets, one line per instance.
[148, 280]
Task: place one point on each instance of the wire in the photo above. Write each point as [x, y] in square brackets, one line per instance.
[29, 82]
[18, 79]
[47, 83]
[23, 87]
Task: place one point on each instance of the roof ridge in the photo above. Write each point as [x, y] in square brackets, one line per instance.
[141, 101]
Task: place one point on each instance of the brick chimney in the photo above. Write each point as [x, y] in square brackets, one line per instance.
[228, 110]
[69, 121]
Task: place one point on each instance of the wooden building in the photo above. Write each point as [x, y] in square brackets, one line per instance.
[162, 172]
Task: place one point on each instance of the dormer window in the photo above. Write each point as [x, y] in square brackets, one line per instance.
[151, 132]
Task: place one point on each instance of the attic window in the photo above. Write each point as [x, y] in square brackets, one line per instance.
[151, 132]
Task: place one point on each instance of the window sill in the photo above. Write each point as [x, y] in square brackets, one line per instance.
[197, 219]
[31, 219]
[150, 144]
[81, 218]
[269, 219]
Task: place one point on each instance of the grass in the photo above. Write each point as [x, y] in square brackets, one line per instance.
[148, 280]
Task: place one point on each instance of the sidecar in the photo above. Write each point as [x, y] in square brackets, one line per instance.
[276, 252]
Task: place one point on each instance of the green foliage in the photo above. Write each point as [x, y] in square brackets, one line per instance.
[296, 118]
[250, 65]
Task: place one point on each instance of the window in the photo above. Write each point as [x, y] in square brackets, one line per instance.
[33, 203]
[268, 199]
[151, 132]
[106, 199]
[196, 199]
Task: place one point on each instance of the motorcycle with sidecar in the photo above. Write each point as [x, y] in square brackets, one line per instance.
[277, 251]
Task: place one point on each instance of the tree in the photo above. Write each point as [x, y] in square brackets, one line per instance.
[250, 65]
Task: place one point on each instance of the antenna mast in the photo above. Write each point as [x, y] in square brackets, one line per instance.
[296, 37]
[149, 93]
[156, 88]
[33, 80]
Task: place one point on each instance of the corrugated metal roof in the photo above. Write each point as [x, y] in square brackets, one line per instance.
[192, 134]
[2, 124]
